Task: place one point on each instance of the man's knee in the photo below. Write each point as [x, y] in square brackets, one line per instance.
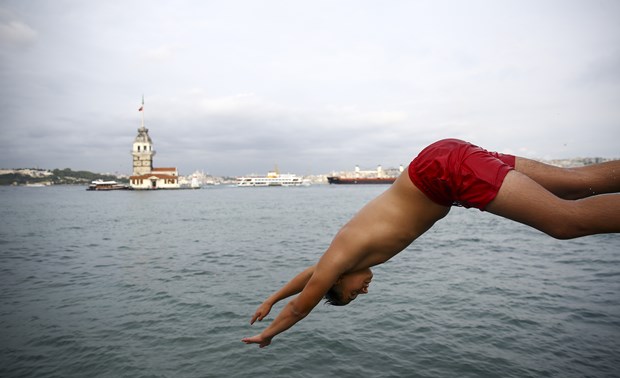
[561, 233]
[565, 183]
[565, 228]
[578, 185]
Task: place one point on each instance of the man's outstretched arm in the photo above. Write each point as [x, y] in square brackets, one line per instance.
[330, 267]
[294, 286]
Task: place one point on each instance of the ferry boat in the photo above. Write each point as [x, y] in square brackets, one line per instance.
[107, 185]
[273, 178]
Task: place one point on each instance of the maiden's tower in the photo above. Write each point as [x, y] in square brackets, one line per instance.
[145, 176]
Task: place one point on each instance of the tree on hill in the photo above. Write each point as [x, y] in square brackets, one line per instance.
[58, 177]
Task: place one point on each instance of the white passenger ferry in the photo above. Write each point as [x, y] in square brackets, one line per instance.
[273, 178]
[107, 185]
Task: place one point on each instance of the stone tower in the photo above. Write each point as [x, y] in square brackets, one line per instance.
[144, 175]
[142, 150]
[142, 153]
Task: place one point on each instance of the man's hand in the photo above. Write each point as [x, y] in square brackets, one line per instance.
[261, 312]
[258, 339]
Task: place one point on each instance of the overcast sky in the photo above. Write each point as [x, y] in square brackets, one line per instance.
[234, 87]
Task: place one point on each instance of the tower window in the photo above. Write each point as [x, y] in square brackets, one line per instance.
[138, 148]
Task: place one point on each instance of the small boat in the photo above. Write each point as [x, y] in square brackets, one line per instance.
[107, 185]
[195, 184]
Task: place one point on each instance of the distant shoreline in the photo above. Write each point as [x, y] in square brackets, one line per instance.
[29, 176]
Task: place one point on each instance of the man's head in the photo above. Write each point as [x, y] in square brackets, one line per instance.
[348, 287]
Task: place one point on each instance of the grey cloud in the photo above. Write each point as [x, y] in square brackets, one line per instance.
[14, 33]
[234, 87]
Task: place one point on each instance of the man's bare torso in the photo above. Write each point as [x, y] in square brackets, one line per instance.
[388, 224]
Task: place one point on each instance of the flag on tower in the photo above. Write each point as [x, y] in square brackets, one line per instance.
[142, 107]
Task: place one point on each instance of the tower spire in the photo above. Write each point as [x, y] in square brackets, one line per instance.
[142, 150]
[142, 111]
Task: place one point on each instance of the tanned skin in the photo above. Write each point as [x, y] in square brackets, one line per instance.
[561, 202]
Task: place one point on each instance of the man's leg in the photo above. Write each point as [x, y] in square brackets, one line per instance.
[524, 200]
[573, 183]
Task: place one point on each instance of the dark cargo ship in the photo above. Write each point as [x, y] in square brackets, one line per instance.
[360, 180]
[360, 177]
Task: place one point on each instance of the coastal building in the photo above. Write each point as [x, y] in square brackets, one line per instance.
[145, 176]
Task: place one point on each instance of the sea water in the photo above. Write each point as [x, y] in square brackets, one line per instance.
[163, 284]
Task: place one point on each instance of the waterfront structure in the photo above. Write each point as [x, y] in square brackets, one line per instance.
[142, 152]
[145, 176]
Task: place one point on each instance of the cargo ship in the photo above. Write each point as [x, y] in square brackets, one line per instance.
[359, 177]
[360, 180]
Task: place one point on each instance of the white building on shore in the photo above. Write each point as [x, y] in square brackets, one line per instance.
[145, 176]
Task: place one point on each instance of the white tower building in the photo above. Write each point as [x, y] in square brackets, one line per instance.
[142, 152]
[145, 176]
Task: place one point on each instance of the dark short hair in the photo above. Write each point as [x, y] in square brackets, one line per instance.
[334, 297]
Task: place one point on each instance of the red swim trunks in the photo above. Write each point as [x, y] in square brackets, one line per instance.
[454, 172]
